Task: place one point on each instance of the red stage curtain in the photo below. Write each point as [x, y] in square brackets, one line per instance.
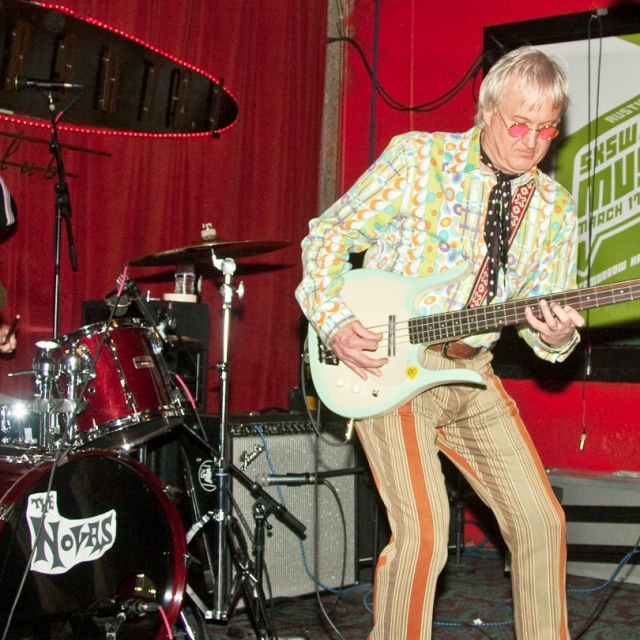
[131, 197]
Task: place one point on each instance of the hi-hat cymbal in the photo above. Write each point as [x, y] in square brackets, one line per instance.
[4, 400]
[203, 252]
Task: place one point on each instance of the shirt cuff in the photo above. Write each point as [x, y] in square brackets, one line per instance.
[330, 317]
[559, 353]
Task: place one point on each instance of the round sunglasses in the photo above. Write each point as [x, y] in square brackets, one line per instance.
[519, 130]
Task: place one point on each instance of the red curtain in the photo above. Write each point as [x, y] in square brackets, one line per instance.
[131, 197]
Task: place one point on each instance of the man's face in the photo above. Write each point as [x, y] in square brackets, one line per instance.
[517, 155]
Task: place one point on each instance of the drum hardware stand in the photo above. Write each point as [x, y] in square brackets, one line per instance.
[46, 372]
[49, 406]
[248, 579]
[220, 611]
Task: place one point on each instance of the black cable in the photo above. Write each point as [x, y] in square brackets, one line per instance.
[592, 143]
[345, 541]
[316, 421]
[424, 107]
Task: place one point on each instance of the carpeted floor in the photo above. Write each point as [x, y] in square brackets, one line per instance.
[473, 602]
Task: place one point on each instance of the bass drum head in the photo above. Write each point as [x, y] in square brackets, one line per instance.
[111, 542]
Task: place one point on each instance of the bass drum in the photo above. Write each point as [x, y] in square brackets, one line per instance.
[107, 556]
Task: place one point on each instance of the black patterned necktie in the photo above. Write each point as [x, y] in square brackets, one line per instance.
[498, 225]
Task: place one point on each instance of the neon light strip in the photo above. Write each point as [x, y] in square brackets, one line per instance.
[22, 120]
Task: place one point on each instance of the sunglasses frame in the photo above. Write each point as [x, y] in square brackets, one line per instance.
[539, 130]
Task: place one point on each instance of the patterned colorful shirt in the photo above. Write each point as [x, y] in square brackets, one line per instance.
[419, 210]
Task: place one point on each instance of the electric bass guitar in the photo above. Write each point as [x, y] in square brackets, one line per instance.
[387, 303]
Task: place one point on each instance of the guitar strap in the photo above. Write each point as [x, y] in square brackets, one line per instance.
[519, 205]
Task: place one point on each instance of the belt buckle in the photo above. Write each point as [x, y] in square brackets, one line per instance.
[445, 351]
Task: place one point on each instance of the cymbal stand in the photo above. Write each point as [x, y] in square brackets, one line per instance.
[229, 547]
[248, 573]
[227, 267]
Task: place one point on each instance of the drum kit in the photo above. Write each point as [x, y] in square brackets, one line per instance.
[91, 543]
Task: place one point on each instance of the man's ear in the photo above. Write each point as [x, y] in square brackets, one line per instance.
[487, 115]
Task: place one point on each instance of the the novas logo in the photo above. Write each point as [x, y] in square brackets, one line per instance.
[61, 544]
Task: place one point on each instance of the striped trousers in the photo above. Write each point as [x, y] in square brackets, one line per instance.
[481, 432]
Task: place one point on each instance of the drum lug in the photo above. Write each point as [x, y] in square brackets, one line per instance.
[218, 515]
[173, 493]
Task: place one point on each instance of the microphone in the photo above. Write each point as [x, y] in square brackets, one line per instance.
[131, 294]
[147, 311]
[298, 479]
[289, 479]
[126, 608]
[134, 607]
[121, 303]
[21, 82]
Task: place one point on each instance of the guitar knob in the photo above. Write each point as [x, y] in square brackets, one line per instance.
[356, 388]
[340, 383]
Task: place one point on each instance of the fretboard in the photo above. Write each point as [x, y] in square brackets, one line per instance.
[457, 324]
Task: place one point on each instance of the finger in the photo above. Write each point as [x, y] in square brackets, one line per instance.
[549, 315]
[362, 371]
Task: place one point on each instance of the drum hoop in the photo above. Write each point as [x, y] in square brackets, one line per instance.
[98, 328]
[152, 481]
[167, 412]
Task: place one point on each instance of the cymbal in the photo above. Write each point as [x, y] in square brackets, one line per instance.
[4, 399]
[203, 252]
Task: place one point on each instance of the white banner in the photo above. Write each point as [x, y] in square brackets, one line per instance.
[598, 160]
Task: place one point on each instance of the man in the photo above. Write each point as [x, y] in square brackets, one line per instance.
[8, 342]
[432, 202]
[7, 219]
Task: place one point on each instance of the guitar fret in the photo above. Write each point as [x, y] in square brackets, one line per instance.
[458, 324]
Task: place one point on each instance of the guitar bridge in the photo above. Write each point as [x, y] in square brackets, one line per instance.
[326, 355]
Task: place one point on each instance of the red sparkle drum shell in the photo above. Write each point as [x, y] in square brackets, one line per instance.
[110, 534]
[131, 398]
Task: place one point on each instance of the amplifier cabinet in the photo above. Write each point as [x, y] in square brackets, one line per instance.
[290, 446]
[603, 521]
[264, 445]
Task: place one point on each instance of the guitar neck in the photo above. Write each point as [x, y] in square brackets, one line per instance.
[457, 324]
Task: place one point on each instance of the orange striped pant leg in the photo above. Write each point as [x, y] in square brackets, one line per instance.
[407, 472]
[485, 437]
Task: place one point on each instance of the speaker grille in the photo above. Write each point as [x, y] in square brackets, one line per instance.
[291, 566]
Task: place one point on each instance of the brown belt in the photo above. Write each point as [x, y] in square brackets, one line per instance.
[455, 350]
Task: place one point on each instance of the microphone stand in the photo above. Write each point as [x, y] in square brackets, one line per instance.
[63, 209]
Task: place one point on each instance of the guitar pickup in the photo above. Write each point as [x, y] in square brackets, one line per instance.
[391, 346]
[326, 355]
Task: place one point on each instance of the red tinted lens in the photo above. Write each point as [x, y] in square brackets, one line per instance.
[518, 130]
[548, 133]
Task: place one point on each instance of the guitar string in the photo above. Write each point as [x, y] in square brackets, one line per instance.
[458, 324]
